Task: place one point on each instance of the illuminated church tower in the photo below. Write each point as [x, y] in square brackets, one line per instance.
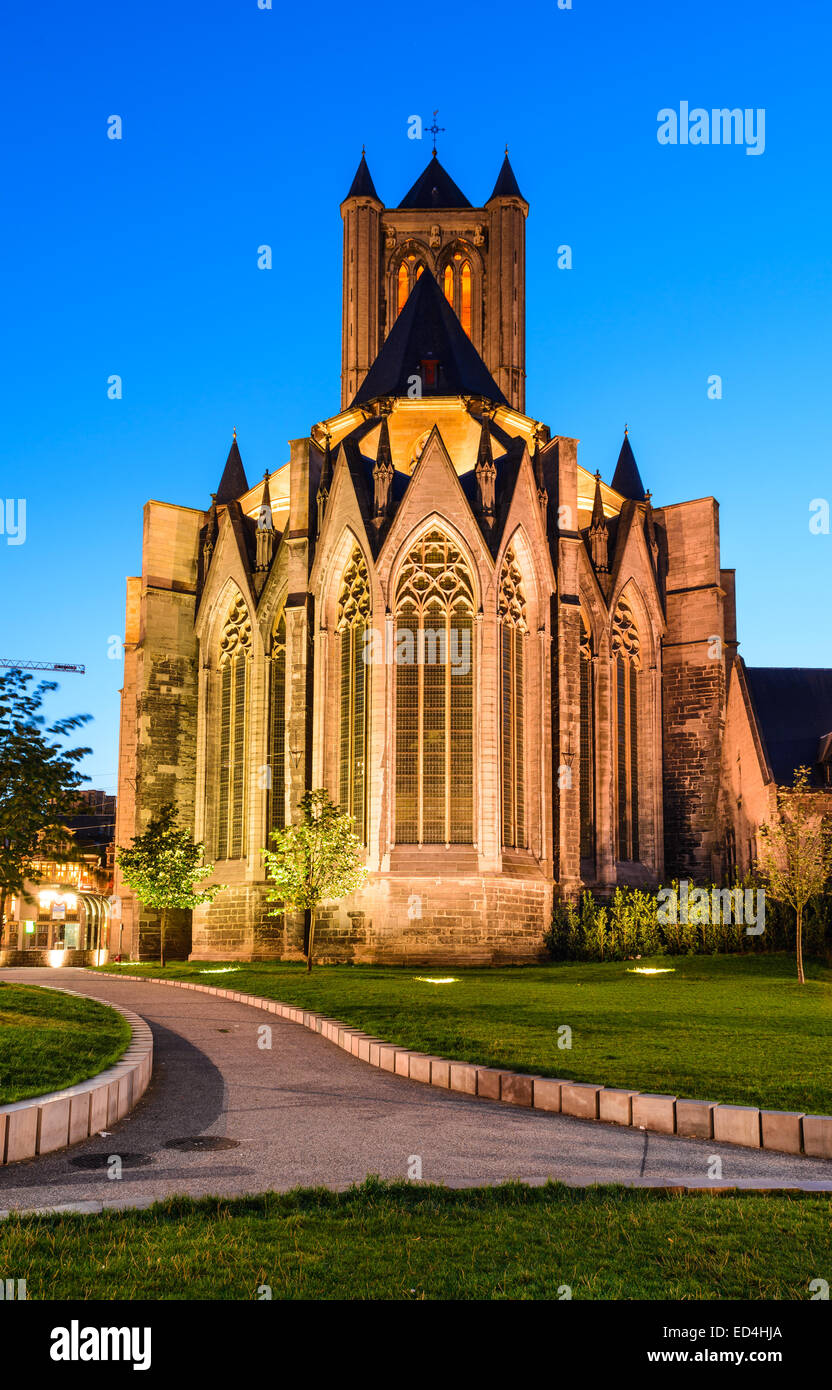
[476, 255]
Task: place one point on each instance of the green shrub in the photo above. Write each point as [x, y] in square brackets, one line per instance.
[628, 926]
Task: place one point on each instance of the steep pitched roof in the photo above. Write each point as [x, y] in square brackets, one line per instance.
[427, 329]
[626, 478]
[793, 705]
[506, 185]
[434, 189]
[362, 185]
[233, 482]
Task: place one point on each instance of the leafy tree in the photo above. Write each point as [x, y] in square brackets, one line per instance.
[315, 861]
[38, 782]
[163, 867]
[796, 852]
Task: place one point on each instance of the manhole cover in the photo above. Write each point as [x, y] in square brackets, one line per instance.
[94, 1161]
[205, 1142]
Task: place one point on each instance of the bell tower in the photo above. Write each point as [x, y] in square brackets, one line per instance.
[477, 255]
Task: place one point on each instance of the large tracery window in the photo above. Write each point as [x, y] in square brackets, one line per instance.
[513, 630]
[587, 769]
[434, 695]
[352, 621]
[626, 665]
[276, 815]
[234, 656]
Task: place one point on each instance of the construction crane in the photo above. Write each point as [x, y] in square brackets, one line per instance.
[41, 665]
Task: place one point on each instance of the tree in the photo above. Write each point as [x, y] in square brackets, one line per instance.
[39, 778]
[796, 852]
[315, 861]
[163, 867]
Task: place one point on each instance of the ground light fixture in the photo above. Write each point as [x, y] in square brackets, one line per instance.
[651, 970]
[437, 979]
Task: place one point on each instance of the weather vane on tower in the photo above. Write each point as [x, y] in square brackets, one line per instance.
[435, 129]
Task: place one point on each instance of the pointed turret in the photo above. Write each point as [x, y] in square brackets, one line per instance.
[506, 185]
[325, 484]
[485, 474]
[211, 533]
[626, 478]
[599, 532]
[233, 481]
[540, 481]
[265, 530]
[362, 185]
[382, 476]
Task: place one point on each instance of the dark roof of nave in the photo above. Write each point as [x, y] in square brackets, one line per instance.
[362, 185]
[793, 705]
[434, 189]
[233, 482]
[626, 478]
[506, 185]
[427, 328]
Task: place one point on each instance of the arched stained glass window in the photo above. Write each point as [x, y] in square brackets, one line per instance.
[465, 296]
[626, 665]
[352, 621]
[234, 655]
[587, 768]
[276, 814]
[448, 284]
[513, 630]
[403, 287]
[434, 695]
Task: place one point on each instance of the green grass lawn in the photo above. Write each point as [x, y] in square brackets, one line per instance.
[725, 1028]
[401, 1241]
[49, 1040]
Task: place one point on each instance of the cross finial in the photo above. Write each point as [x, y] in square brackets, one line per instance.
[235, 431]
[626, 431]
[435, 129]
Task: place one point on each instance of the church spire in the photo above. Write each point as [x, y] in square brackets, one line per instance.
[506, 185]
[382, 476]
[233, 482]
[362, 185]
[626, 479]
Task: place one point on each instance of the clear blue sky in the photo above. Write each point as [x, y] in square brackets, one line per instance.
[244, 126]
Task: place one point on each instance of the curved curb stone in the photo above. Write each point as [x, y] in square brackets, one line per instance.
[778, 1130]
[42, 1124]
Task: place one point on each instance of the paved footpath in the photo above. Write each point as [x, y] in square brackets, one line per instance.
[306, 1113]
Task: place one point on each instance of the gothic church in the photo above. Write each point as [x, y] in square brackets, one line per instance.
[517, 677]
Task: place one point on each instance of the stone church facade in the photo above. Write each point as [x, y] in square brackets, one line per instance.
[518, 678]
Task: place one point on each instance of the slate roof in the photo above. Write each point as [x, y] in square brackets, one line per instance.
[233, 482]
[506, 185]
[362, 185]
[793, 705]
[626, 479]
[434, 189]
[427, 328]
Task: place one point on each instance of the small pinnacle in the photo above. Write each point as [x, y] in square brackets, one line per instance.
[597, 475]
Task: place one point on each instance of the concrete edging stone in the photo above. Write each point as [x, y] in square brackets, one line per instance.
[44, 1124]
[778, 1131]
